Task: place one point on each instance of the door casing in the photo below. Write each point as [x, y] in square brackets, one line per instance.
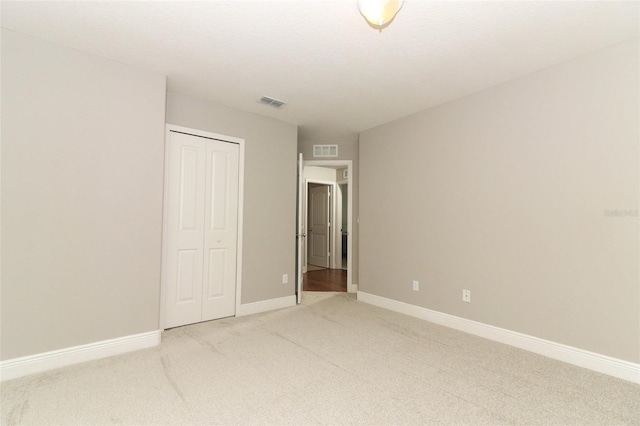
[351, 288]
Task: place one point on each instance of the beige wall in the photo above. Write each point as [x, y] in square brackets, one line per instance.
[506, 193]
[325, 174]
[347, 150]
[82, 161]
[269, 190]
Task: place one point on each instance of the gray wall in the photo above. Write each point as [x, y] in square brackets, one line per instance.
[347, 150]
[269, 190]
[506, 193]
[82, 170]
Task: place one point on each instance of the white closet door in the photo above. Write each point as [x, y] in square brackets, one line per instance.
[221, 230]
[185, 226]
[201, 229]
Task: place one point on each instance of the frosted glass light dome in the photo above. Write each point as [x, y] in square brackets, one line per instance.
[379, 12]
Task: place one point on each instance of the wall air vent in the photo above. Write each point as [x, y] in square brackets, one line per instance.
[271, 102]
[325, 150]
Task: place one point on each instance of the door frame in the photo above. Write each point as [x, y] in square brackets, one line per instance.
[223, 138]
[351, 288]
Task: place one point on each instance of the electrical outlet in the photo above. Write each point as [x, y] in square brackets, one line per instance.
[416, 285]
[285, 278]
[466, 296]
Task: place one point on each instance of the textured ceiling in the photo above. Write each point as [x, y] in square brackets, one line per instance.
[338, 75]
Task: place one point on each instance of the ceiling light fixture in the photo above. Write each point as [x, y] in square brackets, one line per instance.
[379, 12]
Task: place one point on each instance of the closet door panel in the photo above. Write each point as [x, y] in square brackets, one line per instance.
[221, 230]
[185, 226]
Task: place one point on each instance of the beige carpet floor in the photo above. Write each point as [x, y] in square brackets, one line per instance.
[332, 360]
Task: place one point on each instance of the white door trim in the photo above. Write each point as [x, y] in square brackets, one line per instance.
[224, 138]
[351, 288]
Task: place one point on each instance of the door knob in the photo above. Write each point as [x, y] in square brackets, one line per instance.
[219, 240]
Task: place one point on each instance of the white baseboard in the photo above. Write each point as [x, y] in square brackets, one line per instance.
[18, 367]
[601, 363]
[353, 288]
[266, 305]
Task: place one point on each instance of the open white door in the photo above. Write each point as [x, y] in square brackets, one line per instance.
[300, 235]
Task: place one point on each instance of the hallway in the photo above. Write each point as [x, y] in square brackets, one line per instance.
[325, 280]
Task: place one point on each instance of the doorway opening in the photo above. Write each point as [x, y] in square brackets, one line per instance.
[325, 205]
[324, 262]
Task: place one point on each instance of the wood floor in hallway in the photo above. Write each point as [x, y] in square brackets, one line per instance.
[325, 280]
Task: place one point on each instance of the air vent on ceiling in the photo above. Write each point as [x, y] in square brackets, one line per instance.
[325, 150]
[271, 102]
